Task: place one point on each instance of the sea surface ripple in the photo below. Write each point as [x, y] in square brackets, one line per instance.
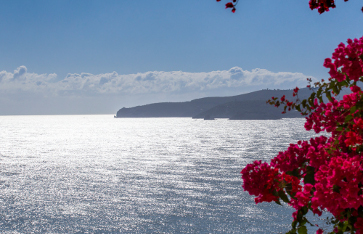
[97, 174]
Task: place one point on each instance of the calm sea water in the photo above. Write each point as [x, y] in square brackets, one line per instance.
[97, 174]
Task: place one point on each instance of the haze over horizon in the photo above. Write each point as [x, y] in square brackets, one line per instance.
[95, 57]
[85, 93]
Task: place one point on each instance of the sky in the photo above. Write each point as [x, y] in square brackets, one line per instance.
[96, 56]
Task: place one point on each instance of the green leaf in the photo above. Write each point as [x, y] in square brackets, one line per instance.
[339, 129]
[347, 118]
[332, 84]
[336, 188]
[304, 103]
[291, 232]
[336, 91]
[302, 230]
[311, 101]
[353, 109]
[293, 224]
[328, 95]
[283, 196]
[309, 177]
[278, 202]
[304, 210]
[345, 225]
[344, 83]
[288, 188]
[297, 107]
[299, 216]
[294, 172]
[303, 222]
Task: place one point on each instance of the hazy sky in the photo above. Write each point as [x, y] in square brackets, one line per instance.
[96, 56]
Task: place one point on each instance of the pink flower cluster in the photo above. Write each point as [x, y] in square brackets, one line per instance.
[231, 5]
[322, 5]
[349, 59]
[338, 185]
[264, 182]
[324, 173]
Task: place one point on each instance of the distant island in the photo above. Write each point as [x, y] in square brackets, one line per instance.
[249, 106]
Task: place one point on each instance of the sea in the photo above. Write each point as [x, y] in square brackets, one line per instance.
[100, 174]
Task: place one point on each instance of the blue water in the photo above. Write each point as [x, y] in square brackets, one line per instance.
[97, 174]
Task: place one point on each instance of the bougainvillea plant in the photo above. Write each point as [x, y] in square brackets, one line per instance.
[321, 5]
[326, 172]
[232, 5]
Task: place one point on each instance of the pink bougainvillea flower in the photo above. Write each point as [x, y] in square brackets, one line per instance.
[229, 5]
[326, 172]
[355, 89]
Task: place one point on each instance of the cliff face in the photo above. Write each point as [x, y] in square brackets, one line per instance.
[248, 110]
[245, 106]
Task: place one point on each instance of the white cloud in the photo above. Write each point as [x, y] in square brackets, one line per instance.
[19, 72]
[148, 82]
[22, 92]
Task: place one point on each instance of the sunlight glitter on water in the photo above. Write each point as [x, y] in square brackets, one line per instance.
[97, 174]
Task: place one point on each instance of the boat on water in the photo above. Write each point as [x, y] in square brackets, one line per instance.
[208, 117]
